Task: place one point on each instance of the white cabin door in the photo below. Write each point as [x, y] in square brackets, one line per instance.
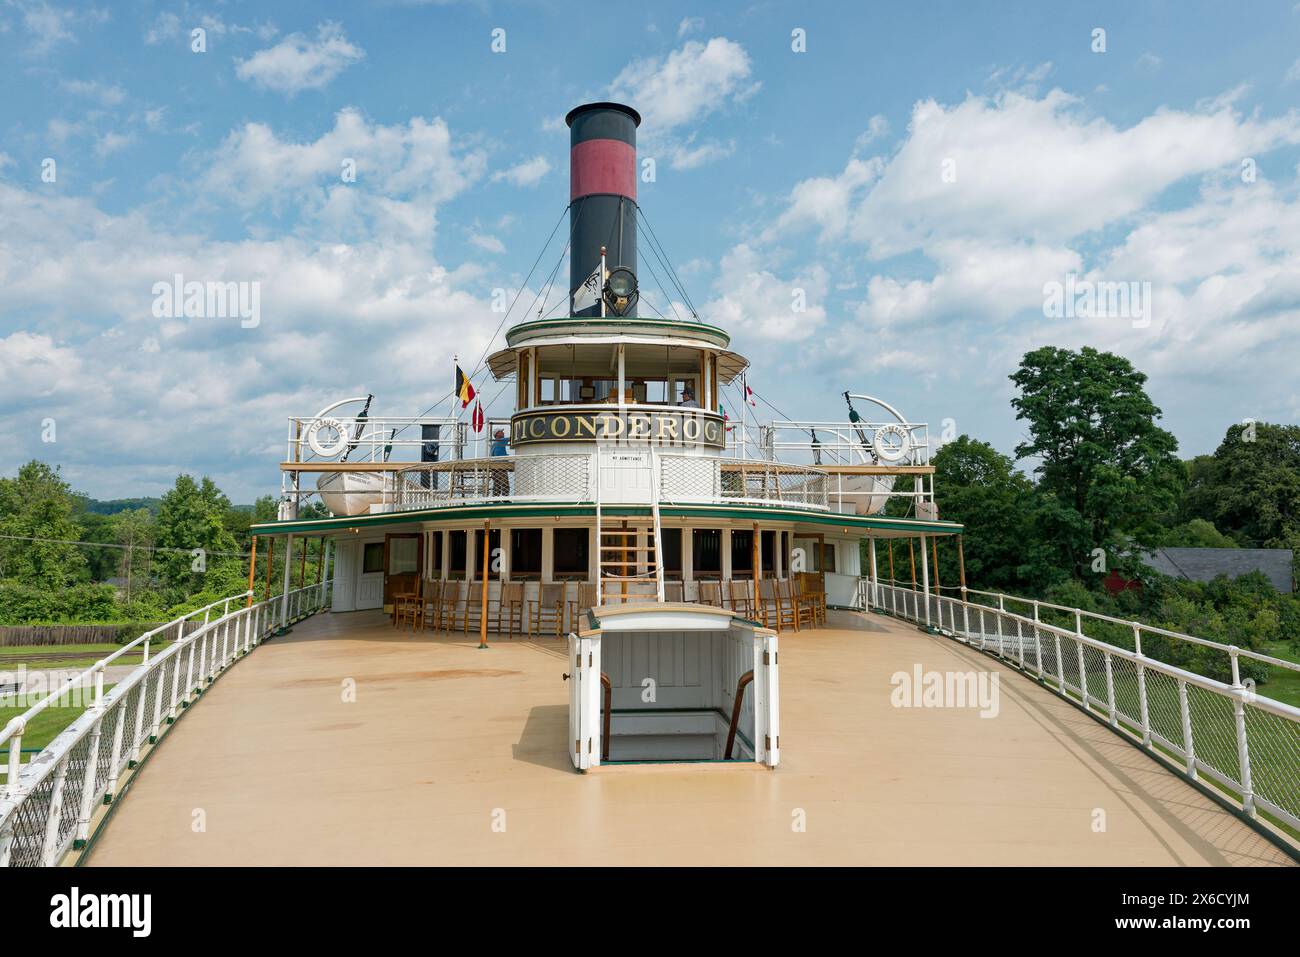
[584, 702]
[767, 702]
[346, 562]
[625, 476]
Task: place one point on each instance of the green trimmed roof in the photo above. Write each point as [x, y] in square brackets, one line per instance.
[620, 324]
[863, 523]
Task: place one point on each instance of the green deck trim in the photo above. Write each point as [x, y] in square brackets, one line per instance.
[620, 321]
[572, 510]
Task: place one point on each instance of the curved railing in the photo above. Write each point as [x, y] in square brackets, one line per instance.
[1246, 743]
[47, 805]
[710, 480]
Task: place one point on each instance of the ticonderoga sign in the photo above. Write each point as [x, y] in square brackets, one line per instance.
[679, 427]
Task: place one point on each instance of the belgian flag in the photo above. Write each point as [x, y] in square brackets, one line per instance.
[464, 390]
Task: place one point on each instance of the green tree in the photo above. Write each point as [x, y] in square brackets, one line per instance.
[1107, 472]
[134, 530]
[1250, 487]
[980, 487]
[191, 517]
[37, 518]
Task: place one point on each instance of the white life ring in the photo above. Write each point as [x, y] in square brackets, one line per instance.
[327, 450]
[896, 452]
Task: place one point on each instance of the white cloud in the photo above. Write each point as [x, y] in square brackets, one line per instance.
[47, 26]
[402, 173]
[299, 63]
[1036, 169]
[687, 85]
[489, 244]
[107, 94]
[166, 27]
[753, 301]
[689, 25]
[527, 173]
[111, 142]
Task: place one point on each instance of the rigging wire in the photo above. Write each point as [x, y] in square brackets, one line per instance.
[524, 286]
[667, 261]
[649, 265]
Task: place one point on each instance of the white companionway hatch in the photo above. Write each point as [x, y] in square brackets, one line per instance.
[665, 682]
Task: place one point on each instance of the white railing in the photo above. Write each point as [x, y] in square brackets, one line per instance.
[563, 477]
[46, 805]
[1246, 743]
[692, 479]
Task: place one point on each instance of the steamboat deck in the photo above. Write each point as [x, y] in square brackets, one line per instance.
[444, 741]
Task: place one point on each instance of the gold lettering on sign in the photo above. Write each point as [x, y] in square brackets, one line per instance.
[667, 428]
[537, 428]
[586, 426]
[557, 422]
[691, 429]
[638, 428]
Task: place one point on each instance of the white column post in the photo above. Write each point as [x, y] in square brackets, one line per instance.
[875, 573]
[925, 578]
[288, 571]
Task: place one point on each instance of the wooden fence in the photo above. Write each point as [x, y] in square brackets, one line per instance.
[20, 636]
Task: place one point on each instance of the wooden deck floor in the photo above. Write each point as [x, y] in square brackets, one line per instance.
[445, 743]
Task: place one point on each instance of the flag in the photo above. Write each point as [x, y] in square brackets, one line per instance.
[588, 293]
[477, 420]
[749, 396]
[464, 390]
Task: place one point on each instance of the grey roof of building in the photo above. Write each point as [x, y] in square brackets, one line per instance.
[1207, 564]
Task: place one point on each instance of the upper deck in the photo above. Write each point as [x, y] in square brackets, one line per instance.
[287, 772]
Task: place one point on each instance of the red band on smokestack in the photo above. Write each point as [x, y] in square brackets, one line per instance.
[602, 166]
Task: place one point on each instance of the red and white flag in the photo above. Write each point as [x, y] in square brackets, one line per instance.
[477, 420]
[749, 396]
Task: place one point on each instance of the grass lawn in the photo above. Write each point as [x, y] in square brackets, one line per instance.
[1283, 683]
[34, 656]
[45, 727]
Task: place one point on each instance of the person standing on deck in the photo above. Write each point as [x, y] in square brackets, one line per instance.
[688, 397]
[500, 478]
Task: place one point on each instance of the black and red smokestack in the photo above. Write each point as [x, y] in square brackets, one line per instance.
[602, 191]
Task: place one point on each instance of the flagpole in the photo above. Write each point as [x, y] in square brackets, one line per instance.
[600, 291]
[744, 404]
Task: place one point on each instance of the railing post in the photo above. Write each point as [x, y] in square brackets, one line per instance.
[157, 706]
[54, 813]
[1083, 674]
[189, 665]
[983, 631]
[1110, 692]
[87, 795]
[1038, 651]
[1143, 715]
[15, 762]
[1243, 745]
[1060, 664]
[115, 758]
[1189, 749]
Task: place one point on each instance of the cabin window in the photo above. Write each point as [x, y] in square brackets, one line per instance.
[456, 553]
[706, 552]
[742, 551]
[372, 558]
[572, 556]
[494, 553]
[435, 554]
[671, 553]
[525, 553]
[828, 559]
[767, 545]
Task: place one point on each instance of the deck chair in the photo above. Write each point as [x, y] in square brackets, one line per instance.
[548, 606]
[448, 603]
[778, 605]
[811, 606]
[739, 590]
[473, 610]
[586, 598]
[430, 600]
[510, 608]
[809, 588]
[711, 593]
[406, 608]
[674, 591]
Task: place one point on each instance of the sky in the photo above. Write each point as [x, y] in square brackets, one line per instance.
[925, 178]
